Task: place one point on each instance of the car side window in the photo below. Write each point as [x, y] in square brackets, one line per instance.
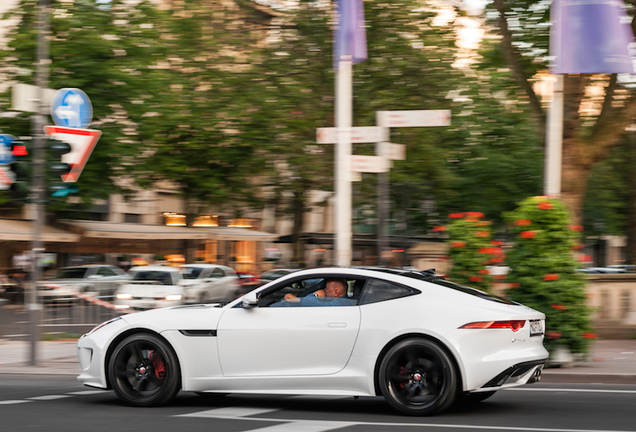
[377, 290]
[105, 271]
[304, 293]
[217, 273]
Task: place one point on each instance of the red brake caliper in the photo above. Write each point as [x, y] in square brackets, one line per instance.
[403, 371]
[157, 365]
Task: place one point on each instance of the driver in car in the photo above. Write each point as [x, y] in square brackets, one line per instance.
[334, 294]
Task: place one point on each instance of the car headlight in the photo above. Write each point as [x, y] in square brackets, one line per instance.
[173, 297]
[123, 296]
[105, 323]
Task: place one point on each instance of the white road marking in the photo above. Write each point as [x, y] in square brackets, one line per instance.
[48, 397]
[305, 426]
[571, 390]
[288, 425]
[228, 412]
[86, 392]
[11, 402]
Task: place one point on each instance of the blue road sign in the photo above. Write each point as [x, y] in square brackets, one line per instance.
[6, 157]
[72, 108]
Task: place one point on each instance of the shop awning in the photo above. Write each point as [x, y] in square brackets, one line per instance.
[128, 231]
[22, 230]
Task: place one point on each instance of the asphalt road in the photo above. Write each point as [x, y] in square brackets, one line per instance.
[59, 403]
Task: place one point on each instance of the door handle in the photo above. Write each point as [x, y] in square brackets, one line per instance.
[337, 324]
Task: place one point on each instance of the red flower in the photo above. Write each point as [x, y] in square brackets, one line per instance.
[456, 215]
[514, 285]
[439, 228]
[559, 307]
[523, 222]
[576, 227]
[590, 335]
[482, 234]
[496, 260]
[545, 205]
[577, 247]
[551, 277]
[475, 278]
[554, 335]
[472, 219]
[458, 244]
[484, 271]
[475, 214]
[528, 234]
[496, 243]
[483, 223]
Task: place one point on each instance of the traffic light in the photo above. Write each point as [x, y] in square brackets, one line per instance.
[22, 170]
[57, 169]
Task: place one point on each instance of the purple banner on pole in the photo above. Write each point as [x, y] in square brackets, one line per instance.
[590, 36]
[351, 37]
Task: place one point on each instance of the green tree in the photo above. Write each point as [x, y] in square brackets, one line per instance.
[543, 272]
[471, 249]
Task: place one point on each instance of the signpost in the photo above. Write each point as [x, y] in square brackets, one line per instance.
[414, 118]
[362, 134]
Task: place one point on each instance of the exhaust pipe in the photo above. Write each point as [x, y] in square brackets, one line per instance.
[536, 376]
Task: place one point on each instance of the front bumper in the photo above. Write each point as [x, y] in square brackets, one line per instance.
[91, 353]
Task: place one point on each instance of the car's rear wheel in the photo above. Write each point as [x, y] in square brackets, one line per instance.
[144, 371]
[417, 377]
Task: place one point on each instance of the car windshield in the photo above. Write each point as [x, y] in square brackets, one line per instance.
[71, 273]
[191, 272]
[153, 275]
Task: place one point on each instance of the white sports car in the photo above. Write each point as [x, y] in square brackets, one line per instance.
[418, 340]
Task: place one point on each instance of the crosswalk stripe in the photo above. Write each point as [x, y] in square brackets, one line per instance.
[228, 412]
[48, 397]
[305, 426]
[86, 392]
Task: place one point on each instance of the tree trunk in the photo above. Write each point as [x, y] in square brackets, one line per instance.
[575, 170]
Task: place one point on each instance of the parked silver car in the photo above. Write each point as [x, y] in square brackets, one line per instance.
[151, 287]
[96, 280]
[204, 283]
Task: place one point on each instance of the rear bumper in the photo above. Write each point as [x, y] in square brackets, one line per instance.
[519, 374]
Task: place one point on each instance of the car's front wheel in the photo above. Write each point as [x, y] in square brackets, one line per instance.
[144, 371]
[417, 377]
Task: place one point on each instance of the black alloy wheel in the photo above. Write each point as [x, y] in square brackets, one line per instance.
[417, 377]
[144, 371]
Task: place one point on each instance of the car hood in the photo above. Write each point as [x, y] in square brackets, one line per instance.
[150, 290]
[187, 317]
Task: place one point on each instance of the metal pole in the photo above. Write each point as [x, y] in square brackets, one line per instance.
[37, 124]
[383, 195]
[554, 141]
[343, 162]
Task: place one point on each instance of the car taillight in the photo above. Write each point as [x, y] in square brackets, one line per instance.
[514, 325]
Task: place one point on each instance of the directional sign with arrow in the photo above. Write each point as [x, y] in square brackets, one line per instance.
[71, 107]
[82, 143]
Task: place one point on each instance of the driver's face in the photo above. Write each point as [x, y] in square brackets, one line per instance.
[334, 289]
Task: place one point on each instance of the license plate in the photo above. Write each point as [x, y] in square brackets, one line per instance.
[536, 327]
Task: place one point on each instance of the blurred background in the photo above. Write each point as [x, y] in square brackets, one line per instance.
[208, 112]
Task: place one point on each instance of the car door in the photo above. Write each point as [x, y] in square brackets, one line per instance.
[287, 341]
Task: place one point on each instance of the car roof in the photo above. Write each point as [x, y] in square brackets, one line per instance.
[155, 268]
[205, 265]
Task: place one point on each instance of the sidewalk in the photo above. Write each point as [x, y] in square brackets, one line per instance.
[610, 362]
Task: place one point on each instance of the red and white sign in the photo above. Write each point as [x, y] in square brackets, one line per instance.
[414, 118]
[82, 143]
[6, 177]
[369, 164]
[360, 134]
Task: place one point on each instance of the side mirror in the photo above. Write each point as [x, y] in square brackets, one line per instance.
[250, 300]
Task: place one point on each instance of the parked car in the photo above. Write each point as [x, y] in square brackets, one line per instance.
[418, 340]
[204, 283]
[151, 287]
[270, 275]
[598, 270]
[97, 280]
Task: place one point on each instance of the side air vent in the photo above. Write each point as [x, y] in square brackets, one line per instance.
[198, 333]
